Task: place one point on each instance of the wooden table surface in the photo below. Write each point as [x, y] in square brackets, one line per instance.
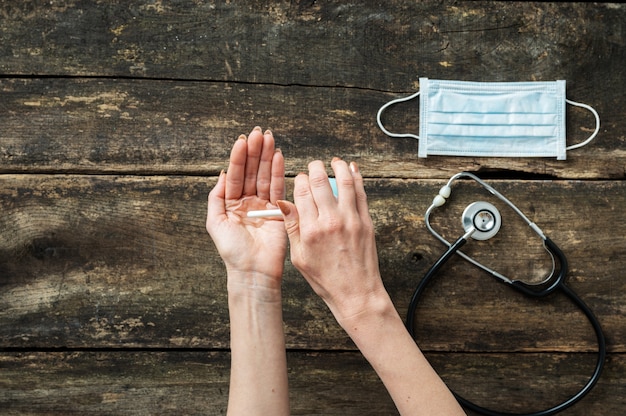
[116, 118]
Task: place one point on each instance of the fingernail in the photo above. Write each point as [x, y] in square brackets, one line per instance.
[258, 128]
[354, 167]
[277, 150]
[241, 137]
[268, 131]
[284, 207]
[336, 158]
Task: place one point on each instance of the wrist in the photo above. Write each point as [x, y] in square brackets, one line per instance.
[373, 313]
[253, 285]
[378, 330]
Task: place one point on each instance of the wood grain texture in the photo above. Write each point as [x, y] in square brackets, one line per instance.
[315, 72]
[188, 382]
[333, 43]
[116, 117]
[107, 261]
[173, 127]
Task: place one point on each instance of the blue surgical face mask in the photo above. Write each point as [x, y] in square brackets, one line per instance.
[501, 119]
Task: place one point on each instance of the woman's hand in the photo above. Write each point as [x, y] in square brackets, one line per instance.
[333, 246]
[250, 247]
[253, 250]
[332, 239]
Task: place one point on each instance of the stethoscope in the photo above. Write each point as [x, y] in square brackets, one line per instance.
[481, 221]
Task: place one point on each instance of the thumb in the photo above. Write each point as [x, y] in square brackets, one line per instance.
[216, 210]
[291, 220]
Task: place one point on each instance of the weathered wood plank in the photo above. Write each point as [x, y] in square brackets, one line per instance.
[366, 45]
[138, 127]
[147, 383]
[108, 261]
[79, 245]
[113, 298]
[124, 126]
[521, 383]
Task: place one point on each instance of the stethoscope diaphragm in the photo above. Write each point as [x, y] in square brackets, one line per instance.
[484, 218]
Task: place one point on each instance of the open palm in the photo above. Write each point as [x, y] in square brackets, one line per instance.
[255, 180]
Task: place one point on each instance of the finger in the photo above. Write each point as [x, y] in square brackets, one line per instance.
[255, 148]
[291, 220]
[345, 183]
[277, 185]
[359, 191]
[303, 199]
[216, 206]
[264, 173]
[236, 169]
[320, 187]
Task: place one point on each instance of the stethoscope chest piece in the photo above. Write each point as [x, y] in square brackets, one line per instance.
[483, 218]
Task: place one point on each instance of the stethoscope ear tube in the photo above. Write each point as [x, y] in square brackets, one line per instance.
[410, 317]
[556, 281]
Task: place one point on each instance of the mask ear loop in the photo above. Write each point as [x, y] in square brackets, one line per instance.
[390, 103]
[594, 134]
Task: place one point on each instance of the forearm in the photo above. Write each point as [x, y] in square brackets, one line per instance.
[258, 380]
[414, 386]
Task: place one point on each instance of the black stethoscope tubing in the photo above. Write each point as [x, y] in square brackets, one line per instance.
[557, 283]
